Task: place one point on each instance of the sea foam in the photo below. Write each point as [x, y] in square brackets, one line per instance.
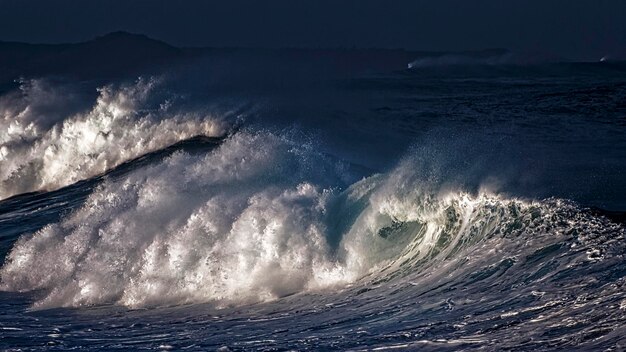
[243, 223]
[46, 144]
[263, 216]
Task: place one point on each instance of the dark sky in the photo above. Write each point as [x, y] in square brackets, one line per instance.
[577, 29]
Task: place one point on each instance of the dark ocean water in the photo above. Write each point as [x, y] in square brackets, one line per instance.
[445, 207]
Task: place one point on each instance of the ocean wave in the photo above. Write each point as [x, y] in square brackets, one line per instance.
[45, 143]
[263, 216]
[488, 57]
[243, 223]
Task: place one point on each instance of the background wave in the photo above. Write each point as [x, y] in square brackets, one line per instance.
[45, 145]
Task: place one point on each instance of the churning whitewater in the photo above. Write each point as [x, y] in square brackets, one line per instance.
[43, 146]
[253, 220]
[387, 216]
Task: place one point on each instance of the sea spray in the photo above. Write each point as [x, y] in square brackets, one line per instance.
[42, 149]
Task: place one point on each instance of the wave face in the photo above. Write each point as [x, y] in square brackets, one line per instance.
[42, 148]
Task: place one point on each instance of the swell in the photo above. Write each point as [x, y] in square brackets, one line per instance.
[264, 216]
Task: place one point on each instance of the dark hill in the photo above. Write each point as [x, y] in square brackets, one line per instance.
[122, 54]
[114, 54]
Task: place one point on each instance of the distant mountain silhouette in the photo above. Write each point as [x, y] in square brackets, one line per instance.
[113, 54]
[121, 54]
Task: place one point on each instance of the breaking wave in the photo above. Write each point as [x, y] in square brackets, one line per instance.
[488, 57]
[263, 216]
[45, 144]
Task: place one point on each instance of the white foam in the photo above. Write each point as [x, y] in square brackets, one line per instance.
[43, 148]
[233, 226]
[251, 221]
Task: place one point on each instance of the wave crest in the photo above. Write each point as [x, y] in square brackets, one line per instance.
[43, 148]
[243, 223]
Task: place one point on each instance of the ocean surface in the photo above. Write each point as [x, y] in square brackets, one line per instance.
[453, 205]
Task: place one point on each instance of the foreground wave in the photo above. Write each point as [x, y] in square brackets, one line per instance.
[262, 217]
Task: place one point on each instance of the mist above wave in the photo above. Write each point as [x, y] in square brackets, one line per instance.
[45, 143]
